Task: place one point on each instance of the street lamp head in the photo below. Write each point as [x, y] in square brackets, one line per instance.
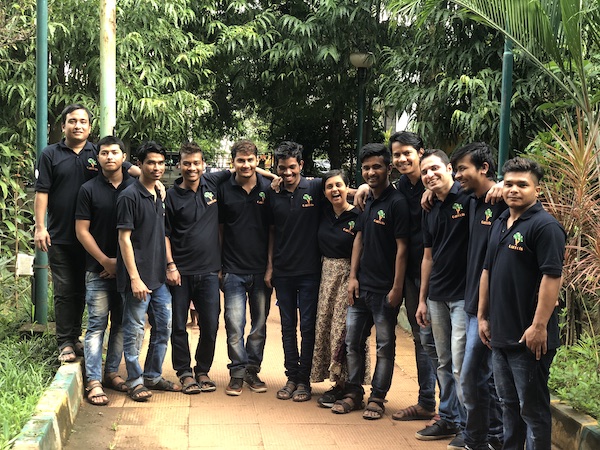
[362, 60]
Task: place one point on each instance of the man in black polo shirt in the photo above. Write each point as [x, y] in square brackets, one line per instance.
[375, 286]
[193, 265]
[96, 228]
[475, 170]
[296, 265]
[442, 292]
[244, 216]
[519, 289]
[141, 274]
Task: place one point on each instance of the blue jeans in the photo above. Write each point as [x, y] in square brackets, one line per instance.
[102, 299]
[484, 414]
[371, 309]
[239, 289]
[425, 355]
[158, 307]
[448, 323]
[522, 384]
[203, 290]
[298, 293]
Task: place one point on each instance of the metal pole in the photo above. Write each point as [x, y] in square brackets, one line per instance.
[507, 72]
[362, 77]
[40, 274]
[108, 67]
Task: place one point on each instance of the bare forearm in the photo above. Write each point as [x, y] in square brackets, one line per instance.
[128, 256]
[40, 206]
[484, 295]
[426, 266]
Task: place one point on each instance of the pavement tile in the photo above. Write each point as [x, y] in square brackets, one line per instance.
[297, 435]
[156, 416]
[220, 436]
[151, 437]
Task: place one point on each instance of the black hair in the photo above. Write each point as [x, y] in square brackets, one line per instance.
[288, 149]
[407, 138]
[244, 146]
[110, 140]
[519, 164]
[374, 149]
[336, 173]
[189, 148]
[74, 107]
[150, 147]
[436, 152]
[480, 153]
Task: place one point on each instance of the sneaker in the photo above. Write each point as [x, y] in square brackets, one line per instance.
[458, 443]
[330, 397]
[494, 443]
[234, 387]
[254, 383]
[439, 430]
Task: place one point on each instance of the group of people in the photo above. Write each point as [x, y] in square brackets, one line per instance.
[479, 278]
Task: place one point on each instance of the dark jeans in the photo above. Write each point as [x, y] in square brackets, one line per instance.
[298, 293]
[371, 309]
[203, 290]
[522, 384]
[67, 262]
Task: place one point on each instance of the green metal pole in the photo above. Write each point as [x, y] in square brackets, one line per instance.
[108, 67]
[40, 274]
[362, 77]
[507, 72]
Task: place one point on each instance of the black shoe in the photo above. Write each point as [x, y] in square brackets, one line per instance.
[330, 397]
[494, 443]
[254, 383]
[458, 443]
[439, 430]
[234, 387]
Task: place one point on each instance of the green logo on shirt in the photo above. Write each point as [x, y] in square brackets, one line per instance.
[308, 199]
[518, 238]
[350, 228]
[459, 211]
[210, 198]
[380, 217]
[488, 215]
[262, 196]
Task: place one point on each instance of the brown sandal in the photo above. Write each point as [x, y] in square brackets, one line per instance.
[414, 412]
[348, 404]
[115, 382]
[95, 384]
[375, 409]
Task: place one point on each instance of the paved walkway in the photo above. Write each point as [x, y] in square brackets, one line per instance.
[252, 420]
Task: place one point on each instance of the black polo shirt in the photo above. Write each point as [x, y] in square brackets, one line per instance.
[516, 259]
[296, 216]
[384, 220]
[137, 210]
[413, 194]
[97, 202]
[336, 234]
[60, 174]
[446, 232]
[245, 218]
[192, 225]
[481, 217]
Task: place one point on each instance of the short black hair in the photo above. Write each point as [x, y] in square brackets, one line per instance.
[336, 173]
[244, 146]
[74, 107]
[436, 152]
[288, 149]
[110, 140]
[407, 138]
[189, 148]
[480, 153]
[519, 164]
[375, 149]
[150, 147]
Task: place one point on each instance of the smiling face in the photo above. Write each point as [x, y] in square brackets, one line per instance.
[469, 176]
[77, 127]
[336, 191]
[111, 158]
[245, 164]
[376, 172]
[289, 170]
[153, 167]
[436, 175]
[191, 166]
[520, 191]
[405, 159]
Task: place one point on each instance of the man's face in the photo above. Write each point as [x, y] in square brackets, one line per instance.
[405, 158]
[289, 170]
[520, 190]
[435, 174]
[111, 158]
[153, 166]
[191, 166]
[245, 164]
[375, 172]
[469, 176]
[77, 126]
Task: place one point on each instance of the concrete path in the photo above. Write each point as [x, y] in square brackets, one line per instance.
[250, 421]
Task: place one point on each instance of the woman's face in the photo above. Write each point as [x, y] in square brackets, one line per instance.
[336, 190]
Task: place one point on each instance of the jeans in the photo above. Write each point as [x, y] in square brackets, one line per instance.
[298, 293]
[203, 290]
[371, 309]
[522, 384]
[448, 323]
[425, 355]
[484, 414]
[102, 298]
[158, 307]
[239, 289]
[67, 263]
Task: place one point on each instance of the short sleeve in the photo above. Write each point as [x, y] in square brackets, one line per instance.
[43, 182]
[83, 209]
[427, 238]
[550, 249]
[125, 212]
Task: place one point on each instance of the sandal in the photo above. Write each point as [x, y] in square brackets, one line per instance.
[206, 384]
[115, 382]
[331, 396]
[375, 409]
[67, 355]
[286, 392]
[414, 412]
[140, 393]
[78, 348]
[302, 393]
[191, 387]
[347, 404]
[94, 399]
[163, 385]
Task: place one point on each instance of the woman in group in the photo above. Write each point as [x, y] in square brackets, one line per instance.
[336, 236]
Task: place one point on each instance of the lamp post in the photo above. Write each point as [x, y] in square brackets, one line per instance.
[362, 61]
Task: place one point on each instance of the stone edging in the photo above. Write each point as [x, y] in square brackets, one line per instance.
[572, 430]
